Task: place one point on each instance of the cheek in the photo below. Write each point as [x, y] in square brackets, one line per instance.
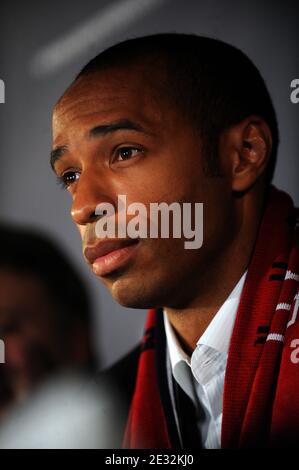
[82, 231]
[157, 177]
[163, 186]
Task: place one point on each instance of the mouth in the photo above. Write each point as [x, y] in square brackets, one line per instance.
[108, 255]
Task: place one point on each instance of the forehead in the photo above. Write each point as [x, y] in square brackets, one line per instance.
[124, 93]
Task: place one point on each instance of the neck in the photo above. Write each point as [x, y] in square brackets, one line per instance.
[218, 279]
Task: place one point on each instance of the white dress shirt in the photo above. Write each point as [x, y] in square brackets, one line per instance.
[202, 376]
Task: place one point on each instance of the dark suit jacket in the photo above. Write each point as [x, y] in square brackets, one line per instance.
[118, 383]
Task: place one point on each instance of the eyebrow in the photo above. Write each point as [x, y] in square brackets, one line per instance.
[56, 154]
[123, 124]
[98, 131]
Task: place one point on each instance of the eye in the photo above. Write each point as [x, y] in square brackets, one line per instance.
[68, 178]
[126, 153]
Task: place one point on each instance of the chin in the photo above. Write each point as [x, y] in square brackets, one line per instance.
[135, 293]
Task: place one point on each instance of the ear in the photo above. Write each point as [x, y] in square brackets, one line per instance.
[245, 151]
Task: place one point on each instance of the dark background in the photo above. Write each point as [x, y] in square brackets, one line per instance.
[45, 43]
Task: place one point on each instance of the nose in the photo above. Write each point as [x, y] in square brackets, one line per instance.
[89, 193]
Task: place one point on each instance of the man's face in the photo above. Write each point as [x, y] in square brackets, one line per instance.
[28, 331]
[150, 153]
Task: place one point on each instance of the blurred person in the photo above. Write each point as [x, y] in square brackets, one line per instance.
[180, 118]
[45, 315]
[67, 411]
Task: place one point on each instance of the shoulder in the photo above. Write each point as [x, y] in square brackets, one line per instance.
[122, 374]
[116, 387]
[124, 370]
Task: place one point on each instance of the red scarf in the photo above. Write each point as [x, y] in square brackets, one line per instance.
[261, 388]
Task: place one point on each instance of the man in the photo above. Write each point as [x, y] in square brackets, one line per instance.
[181, 118]
[45, 316]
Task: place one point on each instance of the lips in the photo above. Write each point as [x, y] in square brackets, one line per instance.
[108, 255]
[105, 247]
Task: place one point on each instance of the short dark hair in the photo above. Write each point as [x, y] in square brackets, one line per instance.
[215, 84]
[29, 252]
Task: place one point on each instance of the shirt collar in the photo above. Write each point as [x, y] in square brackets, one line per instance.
[218, 333]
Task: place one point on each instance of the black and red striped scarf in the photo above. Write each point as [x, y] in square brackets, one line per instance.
[261, 388]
